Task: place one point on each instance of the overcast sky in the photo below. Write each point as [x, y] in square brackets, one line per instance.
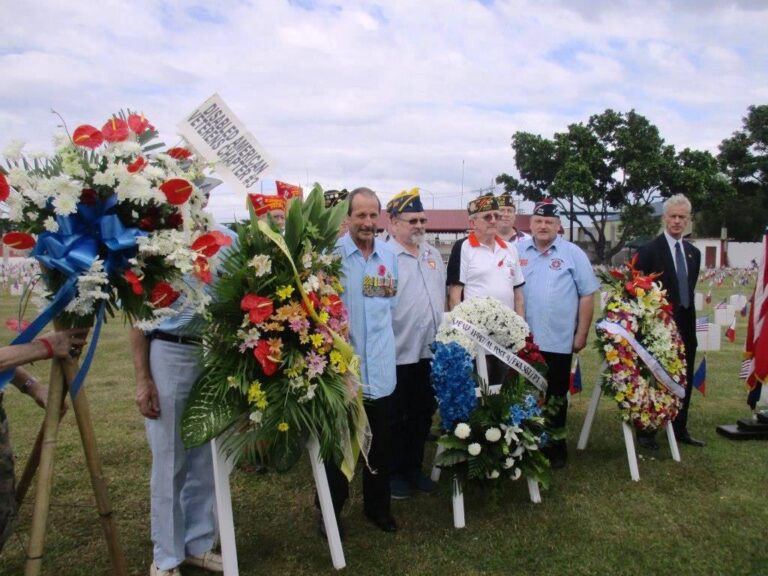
[391, 94]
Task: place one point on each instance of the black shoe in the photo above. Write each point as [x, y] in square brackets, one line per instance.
[321, 526]
[383, 521]
[648, 441]
[557, 454]
[685, 438]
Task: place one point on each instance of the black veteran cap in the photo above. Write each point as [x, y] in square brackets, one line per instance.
[547, 208]
[505, 200]
[405, 201]
[484, 203]
[334, 197]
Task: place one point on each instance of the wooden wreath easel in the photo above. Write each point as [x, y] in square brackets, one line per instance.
[629, 438]
[63, 372]
[458, 495]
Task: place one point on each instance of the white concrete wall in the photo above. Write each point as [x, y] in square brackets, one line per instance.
[740, 254]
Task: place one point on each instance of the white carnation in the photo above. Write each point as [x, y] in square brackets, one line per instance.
[493, 474]
[14, 150]
[474, 449]
[462, 431]
[516, 474]
[493, 434]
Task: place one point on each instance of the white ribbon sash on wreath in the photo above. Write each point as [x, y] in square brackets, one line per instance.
[509, 358]
[653, 365]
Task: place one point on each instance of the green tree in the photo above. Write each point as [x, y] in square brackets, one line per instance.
[744, 159]
[616, 165]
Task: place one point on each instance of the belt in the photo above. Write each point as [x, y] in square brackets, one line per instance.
[178, 339]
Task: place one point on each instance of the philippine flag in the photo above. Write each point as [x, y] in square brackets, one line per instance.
[700, 377]
[575, 386]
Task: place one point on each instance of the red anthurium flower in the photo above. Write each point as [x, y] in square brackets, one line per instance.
[19, 240]
[163, 295]
[138, 123]
[89, 196]
[261, 352]
[203, 269]
[88, 136]
[174, 220]
[618, 274]
[206, 245]
[221, 238]
[5, 189]
[335, 305]
[115, 130]
[133, 279]
[259, 308]
[13, 324]
[178, 153]
[176, 190]
[137, 165]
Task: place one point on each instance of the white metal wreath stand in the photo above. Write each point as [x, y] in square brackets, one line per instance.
[629, 438]
[458, 495]
[222, 468]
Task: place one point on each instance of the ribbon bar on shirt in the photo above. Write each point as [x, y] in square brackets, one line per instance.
[653, 365]
[505, 355]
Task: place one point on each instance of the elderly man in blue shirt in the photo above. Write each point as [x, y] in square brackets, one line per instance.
[419, 312]
[369, 271]
[559, 295]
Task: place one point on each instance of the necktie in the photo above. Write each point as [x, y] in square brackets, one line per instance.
[682, 276]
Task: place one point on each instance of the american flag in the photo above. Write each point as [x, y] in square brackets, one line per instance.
[702, 324]
[746, 368]
[722, 305]
[756, 344]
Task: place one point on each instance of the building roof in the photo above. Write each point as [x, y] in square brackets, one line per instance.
[446, 221]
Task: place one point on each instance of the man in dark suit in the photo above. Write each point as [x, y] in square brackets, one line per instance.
[678, 262]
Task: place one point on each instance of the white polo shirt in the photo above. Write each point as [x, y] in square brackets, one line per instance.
[490, 272]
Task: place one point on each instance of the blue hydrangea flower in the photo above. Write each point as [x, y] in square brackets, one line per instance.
[453, 383]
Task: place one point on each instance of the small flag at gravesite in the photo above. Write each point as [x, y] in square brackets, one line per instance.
[702, 324]
[574, 385]
[731, 332]
[708, 299]
[722, 305]
[746, 368]
[700, 377]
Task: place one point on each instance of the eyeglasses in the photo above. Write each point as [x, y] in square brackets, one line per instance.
[414, 221]
[489, 217]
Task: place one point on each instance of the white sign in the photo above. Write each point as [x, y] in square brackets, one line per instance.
[221, 139]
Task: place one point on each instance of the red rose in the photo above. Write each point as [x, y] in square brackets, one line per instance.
[19, 240]
[5, 189]
[163, 295]
[261, 353]
[259, 308]
[88, 136]
[147, 224]
[89, 196]
[174, 220]
[176, 190]
[115, 130]
[138, 123]
[179, 153]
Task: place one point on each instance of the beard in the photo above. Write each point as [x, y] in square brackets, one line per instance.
[416, 237]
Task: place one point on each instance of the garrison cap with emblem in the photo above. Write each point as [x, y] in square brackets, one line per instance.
[547, 208]
[405, 201]
[505, 200]
[484, 203]
[263, 203]
[334, 197]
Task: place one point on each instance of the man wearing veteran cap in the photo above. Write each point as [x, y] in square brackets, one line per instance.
[559, 295]
[272, 205]
[488, 267]
[506, 225]
[419, 312]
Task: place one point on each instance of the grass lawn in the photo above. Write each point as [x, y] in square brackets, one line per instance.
[705, 515]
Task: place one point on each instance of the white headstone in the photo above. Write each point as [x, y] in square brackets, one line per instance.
[737, 301]
[725, 315]
[698, 301]
[713, 338]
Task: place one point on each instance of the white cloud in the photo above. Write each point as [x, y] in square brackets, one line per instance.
[388, 95]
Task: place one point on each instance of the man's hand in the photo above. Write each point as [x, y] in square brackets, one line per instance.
[147, 398]
[579, 343]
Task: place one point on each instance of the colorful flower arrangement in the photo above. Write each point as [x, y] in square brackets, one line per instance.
[278, 366]
[488, 435]
[639, 306]
[112, 220]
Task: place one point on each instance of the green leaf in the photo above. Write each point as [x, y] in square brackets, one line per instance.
[207, 414]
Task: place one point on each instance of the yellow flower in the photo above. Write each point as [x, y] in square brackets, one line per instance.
[612, 356]
[337, 361]
[285, 292]
[317, 340]
[257, 396]
[324, 317]
[283, 427]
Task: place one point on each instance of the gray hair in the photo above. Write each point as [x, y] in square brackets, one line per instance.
[675, 201]
[364, 192]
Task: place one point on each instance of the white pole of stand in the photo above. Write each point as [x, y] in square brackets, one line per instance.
[533, 491]
[629, 442]
[673, 442]
[591, 411]
[458, 505]
[222, 468]
[326, 504]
